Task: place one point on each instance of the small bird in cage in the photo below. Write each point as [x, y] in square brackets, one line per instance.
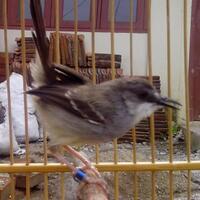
[76, 112]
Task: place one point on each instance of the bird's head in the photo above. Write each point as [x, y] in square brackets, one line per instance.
[142, 98]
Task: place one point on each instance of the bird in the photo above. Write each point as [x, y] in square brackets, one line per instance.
[74, 111]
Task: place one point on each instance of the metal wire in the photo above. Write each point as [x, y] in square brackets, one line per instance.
[46, 191]
[8, 80]
[131, 73]
[169, 110]
[5, 15]
[57, 25]
[93, 41]
[45, 163]
[93, 27]
[131, 36]
[152, 128]
[62, 188]
[103, 167]
[113, 74]
[112, 38]
[76, 35]
[22, 21]
[187, 114]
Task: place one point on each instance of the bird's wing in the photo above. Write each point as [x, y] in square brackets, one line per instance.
[69, 76]
[69, 101]
[53, 72]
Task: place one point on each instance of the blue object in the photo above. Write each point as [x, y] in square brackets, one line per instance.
[80, 175]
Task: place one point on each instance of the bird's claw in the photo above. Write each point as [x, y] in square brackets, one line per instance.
[92, 168]
[100, 182]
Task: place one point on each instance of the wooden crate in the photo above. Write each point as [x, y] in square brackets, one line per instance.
[35, 179]
[5, 187]
[3, 65]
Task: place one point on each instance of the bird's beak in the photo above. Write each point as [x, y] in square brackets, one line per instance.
[170, 103]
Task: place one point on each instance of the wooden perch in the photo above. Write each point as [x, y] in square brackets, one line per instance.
[92, 191]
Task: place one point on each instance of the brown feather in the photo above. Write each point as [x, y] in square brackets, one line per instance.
[41, 40]
[61, 97]
[54, 73]
[69, 75]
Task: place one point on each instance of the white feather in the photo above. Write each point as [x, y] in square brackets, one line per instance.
[37, 72]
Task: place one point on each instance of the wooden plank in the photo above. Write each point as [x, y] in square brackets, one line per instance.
[103, 64]
[5, 187]
[35, 179]
[104, 56]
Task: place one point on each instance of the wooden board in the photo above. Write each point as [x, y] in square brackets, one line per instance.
[5, 187]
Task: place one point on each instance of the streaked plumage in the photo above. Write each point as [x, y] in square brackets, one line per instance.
[76, 112]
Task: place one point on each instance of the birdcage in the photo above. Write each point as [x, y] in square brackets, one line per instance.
[149, 37]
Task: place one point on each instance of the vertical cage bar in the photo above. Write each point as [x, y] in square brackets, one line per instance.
[5, 19]
[93, 59]
[131, 36]
[131, 73]
[45, 163]
[76, 34]
[62, 189]
[57, 25]
[46, 191]
[8, 80]
[93, 41]
[112, 29]
[22, 21]
[22, 16]
[152, 128]
[169, 110]
[113, 74]
[186, 79]
[186, 82]
[116, 175]
[97, 153]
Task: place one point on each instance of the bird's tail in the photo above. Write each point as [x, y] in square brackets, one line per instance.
[37, 72]
[41, 71]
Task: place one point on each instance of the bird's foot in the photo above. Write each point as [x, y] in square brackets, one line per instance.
[90, 179]
[86, 163]
[89, 167]
[100, 182]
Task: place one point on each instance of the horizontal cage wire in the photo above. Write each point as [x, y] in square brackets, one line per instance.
[101, 41]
